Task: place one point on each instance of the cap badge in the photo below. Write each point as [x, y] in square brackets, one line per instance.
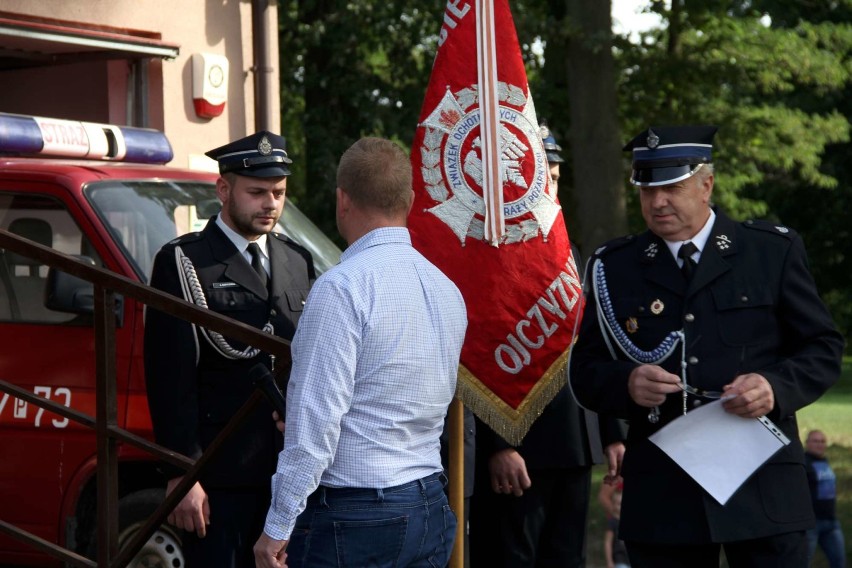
[545, 131]
[653, 140]
[264, 146]
[723, 242]
[657, 307]
[631, 325]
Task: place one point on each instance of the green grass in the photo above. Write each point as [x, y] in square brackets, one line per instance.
[832, 414]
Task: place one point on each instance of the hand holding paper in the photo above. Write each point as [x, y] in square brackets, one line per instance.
[719, 450]
[752, 396]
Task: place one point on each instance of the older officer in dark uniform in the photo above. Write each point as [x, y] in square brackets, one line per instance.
[696, 304]
[531, 501]
[196, 378]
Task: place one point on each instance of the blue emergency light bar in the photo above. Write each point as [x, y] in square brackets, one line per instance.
[42, 136]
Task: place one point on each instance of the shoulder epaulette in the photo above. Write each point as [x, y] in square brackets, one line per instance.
[187, 238]
[614, 244]
[770, 227]
[281, 237]
[289, 242]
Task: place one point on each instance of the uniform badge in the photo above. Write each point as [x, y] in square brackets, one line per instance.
[657, 307]
[651, 251]
[723, 242]
[653, 140]
[632, 326]
[782, 230]
[264, 146]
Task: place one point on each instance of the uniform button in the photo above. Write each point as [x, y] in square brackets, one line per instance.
[689, 318]
[232, 303]
[641, 309]
[692, 360]
[696, 403]
[744, 299]
[273, 313]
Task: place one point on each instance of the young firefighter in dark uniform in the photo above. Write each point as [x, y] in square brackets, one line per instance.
[197, 379]
[530, 501]
[737, 313]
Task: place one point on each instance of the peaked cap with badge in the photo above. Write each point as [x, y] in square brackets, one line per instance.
[669, 154]
[551, 148]
[261, 155]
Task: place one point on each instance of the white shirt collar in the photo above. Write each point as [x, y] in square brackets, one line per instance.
[699, 240]
[240, 241]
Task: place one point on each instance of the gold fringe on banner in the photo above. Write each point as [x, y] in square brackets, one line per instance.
[512, 424]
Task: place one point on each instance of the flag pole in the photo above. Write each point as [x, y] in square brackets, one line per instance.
[457, 479]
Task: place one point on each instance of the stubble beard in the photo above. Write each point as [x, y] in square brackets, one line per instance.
[244, 223]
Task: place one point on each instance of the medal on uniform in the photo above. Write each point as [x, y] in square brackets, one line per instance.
[632, 326]
[657, 307]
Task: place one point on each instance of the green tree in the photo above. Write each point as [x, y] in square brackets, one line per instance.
[775, 75]
[355, 68]
[821, 216]
[349, 69]
[573, 83]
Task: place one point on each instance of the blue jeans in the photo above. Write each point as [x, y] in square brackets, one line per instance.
[830, 538]
[407, 525]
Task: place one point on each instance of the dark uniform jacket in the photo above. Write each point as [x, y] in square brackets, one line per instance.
[193, 389]
[752, 306]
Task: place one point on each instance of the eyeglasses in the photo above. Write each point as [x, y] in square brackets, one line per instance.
[701, 392]
[654, 415]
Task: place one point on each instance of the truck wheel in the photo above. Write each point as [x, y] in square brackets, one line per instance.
[163, 549]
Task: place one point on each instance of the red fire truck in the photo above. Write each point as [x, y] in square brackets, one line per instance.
[109, 198]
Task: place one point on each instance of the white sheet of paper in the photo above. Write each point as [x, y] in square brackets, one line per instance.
[717, 449]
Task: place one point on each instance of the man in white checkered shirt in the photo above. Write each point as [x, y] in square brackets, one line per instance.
[375, 358]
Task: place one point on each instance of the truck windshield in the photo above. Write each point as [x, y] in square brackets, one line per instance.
[143, 215]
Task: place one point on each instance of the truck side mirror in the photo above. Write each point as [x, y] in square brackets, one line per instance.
[70, 294]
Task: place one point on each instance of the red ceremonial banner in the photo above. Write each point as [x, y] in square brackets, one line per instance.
[486, 214]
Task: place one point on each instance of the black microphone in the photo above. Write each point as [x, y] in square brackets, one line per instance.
[262, 379]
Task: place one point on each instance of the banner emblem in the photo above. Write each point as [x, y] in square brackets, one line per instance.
[452, 166]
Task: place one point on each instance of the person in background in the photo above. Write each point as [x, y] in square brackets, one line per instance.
[197, 379]
[531, 501]
[615, 552]
[552, 153]
[375, 358]
[608, 487]
[697, 308]
[823, 486]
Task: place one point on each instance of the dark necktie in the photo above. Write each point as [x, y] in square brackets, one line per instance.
[686, 251]
[254, 251]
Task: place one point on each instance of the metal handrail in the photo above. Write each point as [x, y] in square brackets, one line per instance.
[108, 434]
